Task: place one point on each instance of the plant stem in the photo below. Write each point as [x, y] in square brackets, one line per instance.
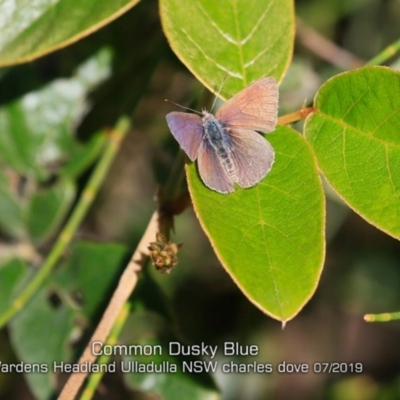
[175, 182]
[117, 310]
[95, 378]
[385, 54]
[385, 317]
[85, 201]
[125, 287]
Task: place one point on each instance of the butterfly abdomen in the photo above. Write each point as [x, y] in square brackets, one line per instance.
[215, 135]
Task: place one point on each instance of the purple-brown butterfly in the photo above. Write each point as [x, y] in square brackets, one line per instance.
[227, 148]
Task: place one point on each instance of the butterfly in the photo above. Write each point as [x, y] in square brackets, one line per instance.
[226, 146]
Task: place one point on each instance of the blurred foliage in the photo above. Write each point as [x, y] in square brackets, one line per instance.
[51, 110]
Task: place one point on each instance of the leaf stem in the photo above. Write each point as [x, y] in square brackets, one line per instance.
[111, 147]
[295, 116]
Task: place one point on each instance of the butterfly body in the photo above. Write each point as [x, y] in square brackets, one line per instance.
[217, 136]
[226, 146]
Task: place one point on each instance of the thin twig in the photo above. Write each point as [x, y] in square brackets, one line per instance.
[124, 289]
[326, 49]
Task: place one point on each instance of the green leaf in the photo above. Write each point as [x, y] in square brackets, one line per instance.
[90, 270]
[355, 135]
[11, 274]
[39, 335]
[270, 238]
[82, 156]
[41, 332]
[29, 32]
[47, 209]
[11, 221]
[36, 130]
[243, 41]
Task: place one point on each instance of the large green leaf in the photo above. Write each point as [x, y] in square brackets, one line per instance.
[355, 133]
[236, 39]
[270, 238]
[30, 30]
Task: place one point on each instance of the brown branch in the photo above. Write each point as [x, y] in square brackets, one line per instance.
[326, 49]
[124, 289]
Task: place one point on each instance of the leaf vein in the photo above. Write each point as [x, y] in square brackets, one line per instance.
[207, 57]
[361, 132]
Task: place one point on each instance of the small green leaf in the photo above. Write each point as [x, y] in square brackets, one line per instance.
[243, 41]
[150, 325]
[91, 270]
[355, 133]
[47, 209]
[11, 221]
[39, 335]
[36, 130]
[11, 273]
[82, 156]
[172, 375]
[270, 238]
[29, 32]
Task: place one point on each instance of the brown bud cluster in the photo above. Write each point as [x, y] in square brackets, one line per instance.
[163, 253]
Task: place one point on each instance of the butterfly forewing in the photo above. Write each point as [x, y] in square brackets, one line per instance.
[187, 130]
[253, 108]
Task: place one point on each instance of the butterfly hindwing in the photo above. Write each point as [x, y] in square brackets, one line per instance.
[252, 156]
[211, 170]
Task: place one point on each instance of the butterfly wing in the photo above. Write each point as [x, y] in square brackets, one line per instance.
[252, 156]
[211, 170]
[187, 130]
[255, 107]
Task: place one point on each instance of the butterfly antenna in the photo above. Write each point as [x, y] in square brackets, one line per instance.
[219, 91]
[185, 108]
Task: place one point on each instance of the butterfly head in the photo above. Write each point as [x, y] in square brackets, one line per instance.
[206, 116]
